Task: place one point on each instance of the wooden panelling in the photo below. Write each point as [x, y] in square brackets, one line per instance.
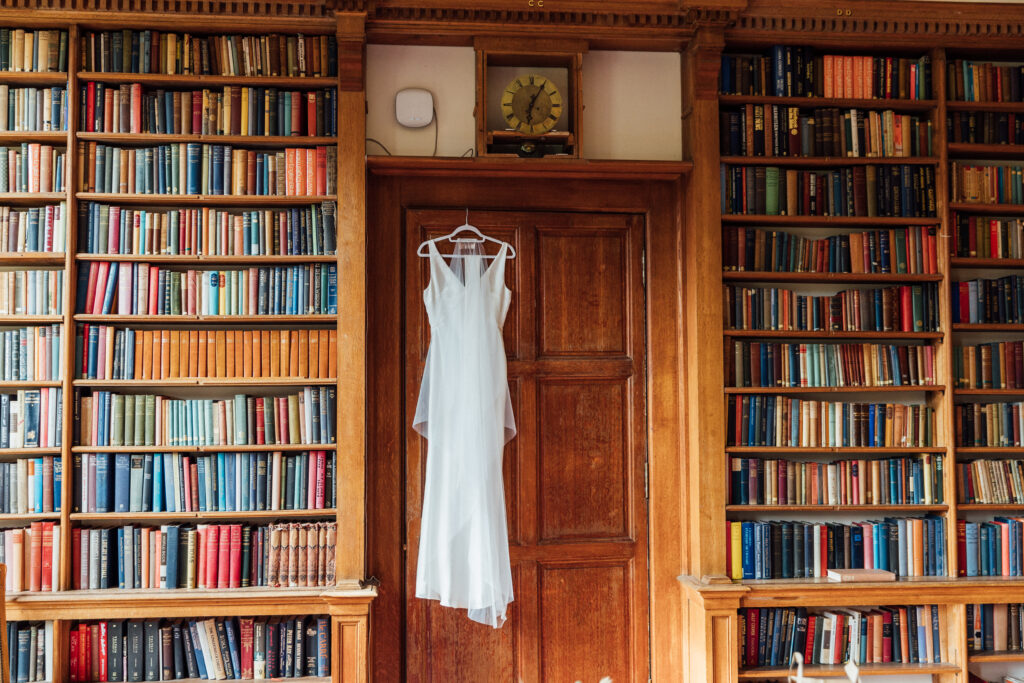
[477, 652]
[585, 622]
[583, 463]
[592, 264]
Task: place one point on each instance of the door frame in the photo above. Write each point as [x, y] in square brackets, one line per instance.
[653, 190]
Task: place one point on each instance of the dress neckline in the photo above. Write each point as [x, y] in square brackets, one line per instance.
[451, 273]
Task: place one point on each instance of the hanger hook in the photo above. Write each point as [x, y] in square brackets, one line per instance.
[467, 215]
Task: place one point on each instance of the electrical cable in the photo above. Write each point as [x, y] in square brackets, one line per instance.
[381, 144]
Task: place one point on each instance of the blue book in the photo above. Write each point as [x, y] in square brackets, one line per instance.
[120, 558]
[194, 156]
[221, 483]
[246, 480]
[201, 483]
[233, 646]
[170, 495]
[200, 661]
[147, 483]
[58, 478]
[22, 652]
[779, 70]
[173, 534]
[122, 482]
[229, 481]
[103, 475]
[158, 483]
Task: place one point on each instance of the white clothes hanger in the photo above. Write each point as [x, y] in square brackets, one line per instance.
[465, 227]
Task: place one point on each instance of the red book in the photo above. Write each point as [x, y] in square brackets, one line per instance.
[73, 657]
[812, 623]
[886, 639]
[46, 582]
[311, 172]
[250, 172]
[103, 651]
[235, 556]
[201, 537]
[311, 113]
[212, 551]
[906, 309]
[186, 480]
[296, 102]
[321, 170]
[197, 111]
[824, 552]
[224, 557]
[154, 290]
[136, 99]
[753, 624]
[84, 660]
[76, 554]
[108, 110]
[194, 470]
[36, 557]
[321, 479]
[90, 107]
[245, 634]
[965, 303]
[261, 434]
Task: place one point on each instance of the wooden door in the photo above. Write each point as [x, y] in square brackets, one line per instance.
[574, 474]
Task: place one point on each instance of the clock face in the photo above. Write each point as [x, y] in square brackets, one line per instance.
[531, 105]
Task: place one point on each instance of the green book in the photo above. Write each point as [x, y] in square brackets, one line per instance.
[139, 417]
[901, 250]
[117, 420]
[771, 190]
[150, 413]
[238, 406]
[917, 295]
[129, 420]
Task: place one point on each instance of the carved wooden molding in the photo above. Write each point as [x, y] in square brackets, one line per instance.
[260, 8]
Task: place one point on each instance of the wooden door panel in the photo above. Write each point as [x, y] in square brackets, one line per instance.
[581, 291]
[585, 622]
[573, 475]
[584, 477]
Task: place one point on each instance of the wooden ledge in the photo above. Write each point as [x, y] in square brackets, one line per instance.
[608, 169]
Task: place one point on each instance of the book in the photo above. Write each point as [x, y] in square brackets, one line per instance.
[909, 480]
[113, 229]
[200, 168]
[29, 419]
[873, 191]
[163, 421]
[145, 289]
[32, 167]
[990, 548]
[34, 229]
[768, 364]
[988, 301]
[762, 420]
[969, 80]
[988, 424]
[31, 292]
[987, 183]
[902, 308]
[31, 353]
[862, 575]
[32, 556]
[872, 251]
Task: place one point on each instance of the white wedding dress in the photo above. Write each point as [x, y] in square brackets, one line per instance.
[465, 412]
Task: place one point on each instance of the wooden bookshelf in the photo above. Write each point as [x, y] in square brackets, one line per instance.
[827, 162]
[899, 105]
[347, 602]
[827, 278]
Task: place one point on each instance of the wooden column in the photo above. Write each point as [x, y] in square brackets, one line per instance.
[704, 459]
[351, 350]
[350, 634]
[712, 625]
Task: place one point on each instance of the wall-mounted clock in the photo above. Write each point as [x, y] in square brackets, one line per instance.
[528, 97]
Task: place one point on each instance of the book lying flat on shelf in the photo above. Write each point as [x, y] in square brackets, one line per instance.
[850, 575]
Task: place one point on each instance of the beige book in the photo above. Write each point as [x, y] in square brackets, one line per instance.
[865, 575]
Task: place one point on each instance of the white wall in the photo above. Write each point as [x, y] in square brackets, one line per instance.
[631, 102]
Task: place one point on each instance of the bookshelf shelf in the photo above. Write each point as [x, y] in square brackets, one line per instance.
[206, 449]
[828, 221]
[835, 508]
[219, 319]
[971, 262]
[205, 382]
[34, 77]
[834, 390]
[836, 671]
[212, 260]
[187, 516]
[32, 319]
[779, 276]
[31, 198]
[831, 450]
[275, 141]
[243, 200]
[34, 258]
[10, 385]
[956, 105]
[30, 517]
[985, 151]
[990, 392]
[842, 102]
[192, 81]
[988, 327]
[969, 507]
[830, 334]
[1002, 656]
[16, 452]
[988, 209]
[819, 162]
[990, 450]
[50, 137]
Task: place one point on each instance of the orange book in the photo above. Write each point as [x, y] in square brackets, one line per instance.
[247, 337]
[220, 345]
[175, 344]
[312, 364]
[184, 358]
[918, 547]
[275, 354]
[229, 353]
[858, 77]
[283, 365]
[257, 353]
[193, 353]
[138, 356]
[239, 345]
[289, 168]
[211, 354]
[147, 354]
[311, 170]
[200, 353]
[293, 353]
[847, 77]
[165, 354]
[331, 349]
[265, 354]
[306, 357]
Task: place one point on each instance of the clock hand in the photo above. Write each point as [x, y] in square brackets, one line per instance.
[529, 107]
